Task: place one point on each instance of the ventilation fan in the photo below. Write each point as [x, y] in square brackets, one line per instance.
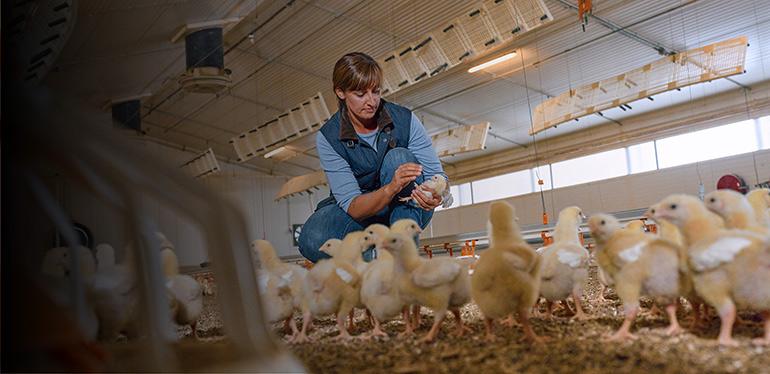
[206, 71]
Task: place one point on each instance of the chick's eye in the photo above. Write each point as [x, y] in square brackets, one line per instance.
[673, 206]
[603, 222]
[713, 200]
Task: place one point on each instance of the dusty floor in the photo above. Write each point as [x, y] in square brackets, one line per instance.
[574, 346]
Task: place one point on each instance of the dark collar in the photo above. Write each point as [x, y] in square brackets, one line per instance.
[348, 133]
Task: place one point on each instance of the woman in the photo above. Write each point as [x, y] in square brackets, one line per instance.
[373, 153]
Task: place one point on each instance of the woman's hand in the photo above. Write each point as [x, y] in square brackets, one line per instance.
[405, 174]
[425, 201]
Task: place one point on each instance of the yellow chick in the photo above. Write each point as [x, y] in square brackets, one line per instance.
[333, 285]
[379, 291]
[760, 201]
[437, 283]
[730, 267]
[736, 211]
[639, 265]
[186, 294]
[411, 229]
[507, 274]
[636, 224]
[565, 262]
[287, 283]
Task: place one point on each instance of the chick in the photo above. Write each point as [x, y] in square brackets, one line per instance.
[507, 275]
[379, 291]
[730, 267]
[57, 275]
[565, 262]
[636, 224]
[333, 285]
[56, 262]
[287, 284]
[440, 284]
[114, 293]
[736, 210]
[639, 265]
[760, 202]
[412, 314]
[186, 294]
[439, 185]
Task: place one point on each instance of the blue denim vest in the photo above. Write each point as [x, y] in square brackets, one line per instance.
[394, 123]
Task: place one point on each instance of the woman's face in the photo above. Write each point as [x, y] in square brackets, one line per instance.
[363, 104]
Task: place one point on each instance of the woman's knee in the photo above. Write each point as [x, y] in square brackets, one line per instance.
[398, 156]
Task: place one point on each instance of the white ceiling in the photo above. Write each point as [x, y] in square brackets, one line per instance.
[122, 49]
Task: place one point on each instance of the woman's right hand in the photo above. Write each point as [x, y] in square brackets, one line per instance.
[405, 174]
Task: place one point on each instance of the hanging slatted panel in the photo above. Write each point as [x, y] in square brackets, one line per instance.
[694, 66]
[479, 29]
[484, 26]
[532, 13]
[503, 16]
[302, 120]
[301, 184]
[461, 139]
[202, 165]
[431, 55]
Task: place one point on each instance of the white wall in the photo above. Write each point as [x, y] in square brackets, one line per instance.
[611, 195]
[251, 191]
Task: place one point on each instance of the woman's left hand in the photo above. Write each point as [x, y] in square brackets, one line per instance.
[425, 201]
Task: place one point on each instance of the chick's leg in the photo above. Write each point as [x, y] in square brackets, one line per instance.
[417, 315]
[439, 316]
[343, 335]
[293, 325]
[302, 336]
[462, 328]
[624, 332]
[577, 296]
[408, 330]
[727, 316]
[489, 326]
[527, 327]
[673, 327]
[376, 331]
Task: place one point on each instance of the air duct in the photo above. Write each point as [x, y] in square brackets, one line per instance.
[205, 59]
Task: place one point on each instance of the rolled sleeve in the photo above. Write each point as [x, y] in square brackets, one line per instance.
[340, 177]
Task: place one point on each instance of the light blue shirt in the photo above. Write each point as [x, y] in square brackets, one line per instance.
[343, 183]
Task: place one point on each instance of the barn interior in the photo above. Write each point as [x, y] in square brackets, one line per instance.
[190, 126]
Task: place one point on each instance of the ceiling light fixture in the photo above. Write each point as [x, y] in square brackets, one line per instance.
[496, 61]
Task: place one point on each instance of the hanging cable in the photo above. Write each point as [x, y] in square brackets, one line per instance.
[534, 141]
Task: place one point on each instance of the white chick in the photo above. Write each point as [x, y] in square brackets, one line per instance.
[57, 270]
[731, 268]
[736, 210]
[333, 285]
[286, 279]
[439, 284]
[565, 263]
[412, 314]
[186, 293]
[379, 292]
[440, 186]
[760, 201]
[115, 293]
[507, 275]
[639, 264]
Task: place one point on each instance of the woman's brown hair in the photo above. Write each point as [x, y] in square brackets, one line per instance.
[354, 72]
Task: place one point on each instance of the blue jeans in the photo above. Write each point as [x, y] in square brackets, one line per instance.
[332, 222]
